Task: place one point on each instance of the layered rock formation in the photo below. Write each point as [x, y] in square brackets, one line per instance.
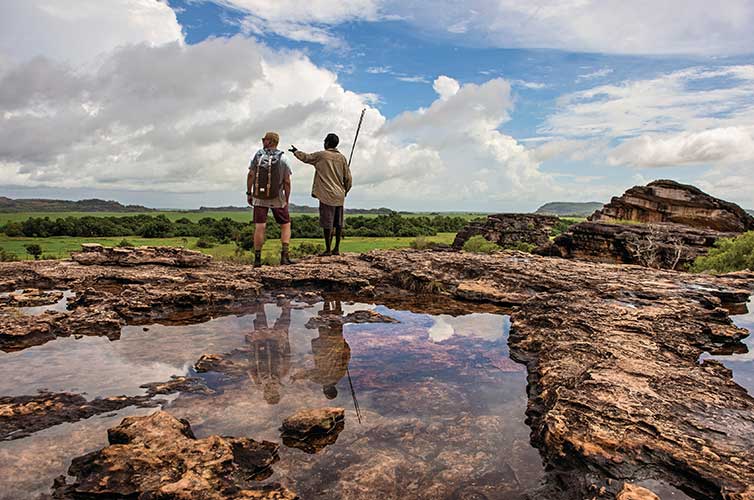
[96, 254]
[670, 201]
[660, 246]
[508, 230]
[664, 225]
[159, 457]
[616, 390]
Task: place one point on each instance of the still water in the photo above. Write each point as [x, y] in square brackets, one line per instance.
[440, 401]
[742, 364]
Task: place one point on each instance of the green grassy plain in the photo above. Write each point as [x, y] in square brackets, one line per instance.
[61, 247]
[239, 216]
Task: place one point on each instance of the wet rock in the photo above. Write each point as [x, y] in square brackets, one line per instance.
[313, 443]
[177, 384]
[32, 297]
[21, 416]
[634, 492]
[615, 387]
[310, 421]
[96, 254]
[670, 201]
[509, 229]
[158, 457]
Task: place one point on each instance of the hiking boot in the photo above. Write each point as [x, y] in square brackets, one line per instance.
[257, 263]
[335, 252]
[285, 260]
[257, 259]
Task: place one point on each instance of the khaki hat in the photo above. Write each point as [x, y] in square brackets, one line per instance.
[273, 136]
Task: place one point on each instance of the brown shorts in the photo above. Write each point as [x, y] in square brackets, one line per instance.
[330, 216]
[281, 214]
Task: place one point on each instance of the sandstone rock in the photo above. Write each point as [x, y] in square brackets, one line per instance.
[159, 457]
[661, 246]
[615, 387]
[95, 254]
[313, 421]
[669, 201]
[21, 416]
[509, 229]
[177, 384]
[363, 316]
[32, 297]
[634, 492]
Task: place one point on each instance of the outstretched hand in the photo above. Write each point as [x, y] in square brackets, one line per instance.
[293, 149]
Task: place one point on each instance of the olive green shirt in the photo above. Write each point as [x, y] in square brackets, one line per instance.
[332, 176]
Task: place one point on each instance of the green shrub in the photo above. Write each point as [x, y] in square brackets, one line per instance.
[34, 250]
[478, 244]
[522, 246]
[125, 243]
[205, 242]
[420, 243]
[6, 256]
[728, 255]
[307, 248]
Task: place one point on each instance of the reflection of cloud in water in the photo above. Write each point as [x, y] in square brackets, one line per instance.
[490, 327]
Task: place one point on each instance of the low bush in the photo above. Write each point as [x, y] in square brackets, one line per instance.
[34, 250]
[478, 244]
[124, 243]
[6, 256]
[205, 242]
[307, 248]
[522, 246]
[420, 243]
[728, 255]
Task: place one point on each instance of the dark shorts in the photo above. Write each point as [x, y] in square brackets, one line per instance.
[330, 216]
[281, 215]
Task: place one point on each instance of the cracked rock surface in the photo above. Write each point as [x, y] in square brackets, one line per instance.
[616, 392]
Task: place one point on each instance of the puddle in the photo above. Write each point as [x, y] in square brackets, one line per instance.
[440, 401]
[742, 364]
[59, 306]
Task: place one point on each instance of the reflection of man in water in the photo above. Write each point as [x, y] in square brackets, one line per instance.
[270, 352]
[331, 352]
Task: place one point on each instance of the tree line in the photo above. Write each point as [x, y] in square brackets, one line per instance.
[225, 229]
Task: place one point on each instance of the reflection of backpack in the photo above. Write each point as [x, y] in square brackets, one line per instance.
[268, 175]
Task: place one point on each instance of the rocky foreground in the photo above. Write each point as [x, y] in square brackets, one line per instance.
[616, 390]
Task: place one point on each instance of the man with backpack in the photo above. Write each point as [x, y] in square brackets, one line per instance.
[332, 181]
[268, 186]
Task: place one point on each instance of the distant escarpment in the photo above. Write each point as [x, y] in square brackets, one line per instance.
[45, 205]
[664, 225]
[508, 230]
[569, 209]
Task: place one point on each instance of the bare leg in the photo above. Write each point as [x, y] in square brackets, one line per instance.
[338, 234]
[285, 233]
[259, 235]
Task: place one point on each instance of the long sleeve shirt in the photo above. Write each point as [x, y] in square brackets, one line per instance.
[332, 177]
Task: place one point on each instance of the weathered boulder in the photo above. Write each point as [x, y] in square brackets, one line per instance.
[311, 430]
[158, 457]
[660, 246]
[509, 229]
[670, 201]
[21, 416]
[316, 420]
[96, 254]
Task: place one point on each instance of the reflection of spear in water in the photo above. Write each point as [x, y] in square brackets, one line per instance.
[353, 395]
[358, 127]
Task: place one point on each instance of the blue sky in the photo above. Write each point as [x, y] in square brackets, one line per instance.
[475, 106]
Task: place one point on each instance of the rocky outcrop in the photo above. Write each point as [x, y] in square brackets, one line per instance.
[615, 388]
[21, 416]
[508, 230]
[96, 254]
[669, 201]
[312, 430]
[660, 246]
[32, 297]
[159, 457]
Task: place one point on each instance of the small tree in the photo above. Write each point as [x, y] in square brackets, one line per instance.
[34, 250]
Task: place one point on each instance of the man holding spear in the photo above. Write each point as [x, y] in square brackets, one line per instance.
[332, 181]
